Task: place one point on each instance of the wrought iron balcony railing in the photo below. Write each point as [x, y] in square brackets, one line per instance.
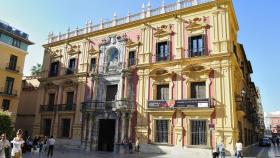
[197, 53]
[107, 105]
[195, 103]
[6, 92]
[13, 68]
[187, 103]
[57, 107]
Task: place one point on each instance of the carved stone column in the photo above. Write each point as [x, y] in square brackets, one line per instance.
[89, 129]
[129, 125]
[117, 128]
[123, 132]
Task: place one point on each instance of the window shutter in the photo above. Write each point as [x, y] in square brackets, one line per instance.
[157, 51]
[168, 50]
[189, 50]
[204, 44]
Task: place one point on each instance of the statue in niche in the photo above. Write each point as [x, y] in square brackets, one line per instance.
[113, 57]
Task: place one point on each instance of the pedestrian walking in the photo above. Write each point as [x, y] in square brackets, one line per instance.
[273, 141]
[277, 141]
[51, 143]
[45, 145]
[137, 145]
[130, 146]
[4, 145]
[221, 149]
[239, 150]
[17, 145]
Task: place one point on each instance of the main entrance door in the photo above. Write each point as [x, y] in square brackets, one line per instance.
[106, 135]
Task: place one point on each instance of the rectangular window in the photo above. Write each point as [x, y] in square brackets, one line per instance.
[161, 135]
[5, 104]
[70, 98]
[47, 124]
[9, 85]
[92, 64]
[163, 51]
[131, 58]
[65, 128]
[16, 43]
[51, 98]
[13, 62]
[111, 93]
[198, 90]
[54, 69]
[162, 92]
[198, 132]
[71, 66]
[196, 46]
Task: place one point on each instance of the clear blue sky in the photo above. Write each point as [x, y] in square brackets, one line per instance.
[258, 21]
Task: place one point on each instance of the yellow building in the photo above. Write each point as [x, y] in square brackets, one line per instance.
[175, 77]
[13, 49]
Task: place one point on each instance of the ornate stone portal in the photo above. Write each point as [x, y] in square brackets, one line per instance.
[110, 105]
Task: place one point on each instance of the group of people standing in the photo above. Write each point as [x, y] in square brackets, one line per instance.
[18, 143]
[221, 152]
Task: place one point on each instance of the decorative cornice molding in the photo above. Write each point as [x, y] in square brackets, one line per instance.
[163, 30]
[197, 24]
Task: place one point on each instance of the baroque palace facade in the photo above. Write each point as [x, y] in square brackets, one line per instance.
[174, 76]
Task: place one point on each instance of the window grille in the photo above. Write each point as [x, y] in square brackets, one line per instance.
[161, 131]
[198, 132]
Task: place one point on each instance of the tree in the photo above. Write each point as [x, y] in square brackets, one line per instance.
[6, 123]
[35, 70]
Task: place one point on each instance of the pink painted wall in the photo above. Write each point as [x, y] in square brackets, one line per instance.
[88, 88]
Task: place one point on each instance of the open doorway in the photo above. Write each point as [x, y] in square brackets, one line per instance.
[106, 135]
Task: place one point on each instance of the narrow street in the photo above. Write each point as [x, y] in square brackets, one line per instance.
[263, 152]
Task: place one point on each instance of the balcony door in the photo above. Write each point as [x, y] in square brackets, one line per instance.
[111, 93]
[9, 85]
[65, 128]
[51, 101]
[47, 127]
[13, 62]
[69, 100]
[198, 90]
[163, 92]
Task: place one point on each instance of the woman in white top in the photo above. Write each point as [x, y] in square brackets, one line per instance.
[17, 144]
[239, 149]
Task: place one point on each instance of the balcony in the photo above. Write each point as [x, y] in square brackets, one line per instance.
[53, 74]
[6, 92]
[70, 71]
[66, 107]
[162, 58]
[118, 105]
[197, 53]
[15, 69]
[188, 103]
[195, 103]
[58, 108]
